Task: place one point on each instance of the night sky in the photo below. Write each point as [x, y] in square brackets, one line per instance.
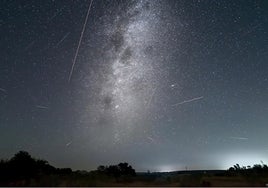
[161, 84]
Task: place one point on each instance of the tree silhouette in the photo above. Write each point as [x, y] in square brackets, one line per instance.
[22, 165]
[122, 169]
[101, 168]
[44, 167]
[113, 170]
[126, 169]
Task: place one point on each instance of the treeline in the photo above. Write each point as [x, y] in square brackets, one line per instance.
[22, 167]
[24, 170]
[257, 170]
[122, 169]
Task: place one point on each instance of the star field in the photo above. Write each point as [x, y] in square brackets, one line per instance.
[162, 85]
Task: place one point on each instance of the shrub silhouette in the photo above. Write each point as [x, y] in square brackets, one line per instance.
[257, 169]
[122, 169]
[64, 171]
[44, 167]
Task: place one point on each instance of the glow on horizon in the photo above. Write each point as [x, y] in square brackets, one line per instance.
[243, 159]
[168, 168]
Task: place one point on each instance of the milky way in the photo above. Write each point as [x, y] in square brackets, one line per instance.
[160, 84]
[132, 72]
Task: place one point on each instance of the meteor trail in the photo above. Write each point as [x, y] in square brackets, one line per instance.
[80, 40]
[187, 101]
[68, 144]
[3, 90]
[150, 138]
[56, 14]
[239, 138]
[42, 107]
[62, 39]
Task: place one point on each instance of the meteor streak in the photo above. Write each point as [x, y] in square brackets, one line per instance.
[3, 90]
[42, 107]
[187, 101]
[80, 40]
[63, 38]
[239, 138]
[69, 143]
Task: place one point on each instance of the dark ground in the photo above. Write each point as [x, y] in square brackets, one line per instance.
[23, 170]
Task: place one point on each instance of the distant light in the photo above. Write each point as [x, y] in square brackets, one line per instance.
[168, 168]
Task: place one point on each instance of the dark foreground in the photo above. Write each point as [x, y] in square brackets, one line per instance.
[190, 178]
[23, 170]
